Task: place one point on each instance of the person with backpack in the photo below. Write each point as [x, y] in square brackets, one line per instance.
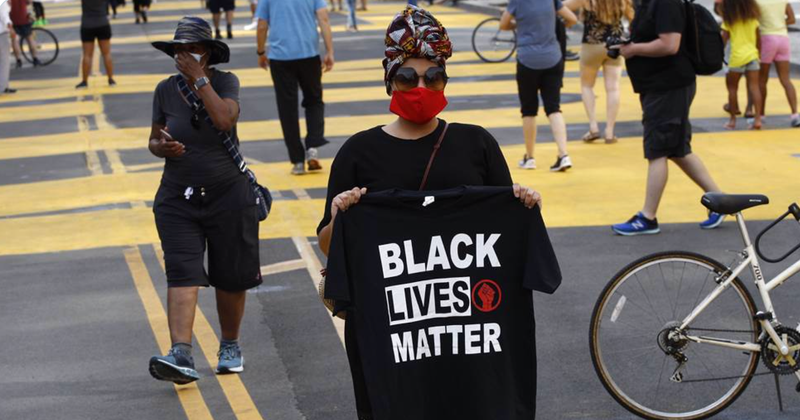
[540, 70]
[662, 71]
[740, 27]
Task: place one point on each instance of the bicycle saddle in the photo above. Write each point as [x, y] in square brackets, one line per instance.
[732, 203]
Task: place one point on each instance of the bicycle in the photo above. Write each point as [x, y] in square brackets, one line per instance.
[46, 46]
[670, 341]
[492, 44]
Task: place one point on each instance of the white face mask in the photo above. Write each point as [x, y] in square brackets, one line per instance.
[197, 57]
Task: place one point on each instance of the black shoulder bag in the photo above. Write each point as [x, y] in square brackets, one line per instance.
[263, 196]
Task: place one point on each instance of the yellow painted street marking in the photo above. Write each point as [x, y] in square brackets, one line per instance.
[283, 267]
[313, 265]
[619, 168]
[49, 111]
[238, 397]
[189, 395]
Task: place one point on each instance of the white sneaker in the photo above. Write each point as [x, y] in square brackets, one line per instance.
[252, 26]
[527, 163]
[562, 164]
[312, 158]
[298, 168]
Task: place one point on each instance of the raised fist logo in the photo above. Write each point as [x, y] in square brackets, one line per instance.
[488, 296]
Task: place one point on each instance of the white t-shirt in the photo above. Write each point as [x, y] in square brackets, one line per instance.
[5, 19]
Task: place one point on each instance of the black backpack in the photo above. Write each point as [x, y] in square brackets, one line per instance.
[703, 40]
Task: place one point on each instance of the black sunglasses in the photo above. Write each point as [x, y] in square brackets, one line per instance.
[407, 78]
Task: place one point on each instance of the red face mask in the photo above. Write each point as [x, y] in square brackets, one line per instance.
[418, 105]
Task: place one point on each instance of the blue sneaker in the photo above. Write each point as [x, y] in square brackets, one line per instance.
[713, 221]
[230, 359]
[637, 225]
[177, 366]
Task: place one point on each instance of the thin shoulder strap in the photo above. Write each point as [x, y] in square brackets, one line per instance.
[433, 156]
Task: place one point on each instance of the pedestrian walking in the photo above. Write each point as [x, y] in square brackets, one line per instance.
[21, 20]
[203, 199]
[352, 25]
[216, 7]
[95, 26]
[140, 9]
[363, 7]
[740, 27]
[252, 26]
[294, 59]
[663, 75]
[776, 49]
[602, 20]
[540, 70]
[5, 47]
[396, 155]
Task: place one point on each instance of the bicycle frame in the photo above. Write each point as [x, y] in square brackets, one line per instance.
[764, 289]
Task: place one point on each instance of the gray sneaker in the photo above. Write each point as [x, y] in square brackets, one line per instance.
[230, 359]
[177, 366]
[298, 168]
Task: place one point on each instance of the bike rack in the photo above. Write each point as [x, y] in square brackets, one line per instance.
[793, 210]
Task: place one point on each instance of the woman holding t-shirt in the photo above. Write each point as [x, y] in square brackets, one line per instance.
[396, 155]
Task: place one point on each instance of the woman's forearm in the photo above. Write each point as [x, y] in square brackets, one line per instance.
[218, 109]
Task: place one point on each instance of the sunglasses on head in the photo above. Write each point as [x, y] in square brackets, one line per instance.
[407, 78]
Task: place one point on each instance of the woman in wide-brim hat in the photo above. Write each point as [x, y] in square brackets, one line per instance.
[203, 202]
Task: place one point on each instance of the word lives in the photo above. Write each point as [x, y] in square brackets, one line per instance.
[446, 298]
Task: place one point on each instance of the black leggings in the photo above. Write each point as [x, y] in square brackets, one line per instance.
[531, 82]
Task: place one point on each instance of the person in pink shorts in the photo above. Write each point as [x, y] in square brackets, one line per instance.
[776, 15]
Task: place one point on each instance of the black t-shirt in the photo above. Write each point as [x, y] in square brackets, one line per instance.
[469, 155]
[656, 74]
[206, 161]
[439, 286]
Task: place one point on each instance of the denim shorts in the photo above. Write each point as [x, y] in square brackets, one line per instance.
[751, 66]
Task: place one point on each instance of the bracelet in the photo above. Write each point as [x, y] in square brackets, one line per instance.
[260, 53]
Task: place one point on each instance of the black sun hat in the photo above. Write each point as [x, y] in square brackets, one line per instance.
[195, 30]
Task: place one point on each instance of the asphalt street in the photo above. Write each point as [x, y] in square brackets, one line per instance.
[82, 286]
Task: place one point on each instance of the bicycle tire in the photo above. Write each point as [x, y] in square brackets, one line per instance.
[478, 41]
[740, 381]
[46, 41]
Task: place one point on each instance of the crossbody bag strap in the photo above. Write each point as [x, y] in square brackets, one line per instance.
[197, 106]
[433, 156]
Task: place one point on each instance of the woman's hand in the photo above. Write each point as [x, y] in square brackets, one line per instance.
[167, 147]
[527, 196]
[343, 201]
[187, 65]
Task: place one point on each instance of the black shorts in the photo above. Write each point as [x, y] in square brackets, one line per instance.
[216, 6]
[223, 216]
[548, 82]
[102, 33]
[23, 31]
[667, 129]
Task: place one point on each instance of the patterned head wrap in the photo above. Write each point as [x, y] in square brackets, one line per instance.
[414, 33]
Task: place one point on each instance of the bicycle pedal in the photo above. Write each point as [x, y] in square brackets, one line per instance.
[678, 378]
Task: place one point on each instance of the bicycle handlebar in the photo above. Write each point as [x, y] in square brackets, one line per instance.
[793, 210]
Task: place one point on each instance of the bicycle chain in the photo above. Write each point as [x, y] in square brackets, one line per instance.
[727, 377]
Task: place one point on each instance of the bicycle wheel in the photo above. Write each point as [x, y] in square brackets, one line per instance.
[492, 44]
[634, 357]
[46, 46]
